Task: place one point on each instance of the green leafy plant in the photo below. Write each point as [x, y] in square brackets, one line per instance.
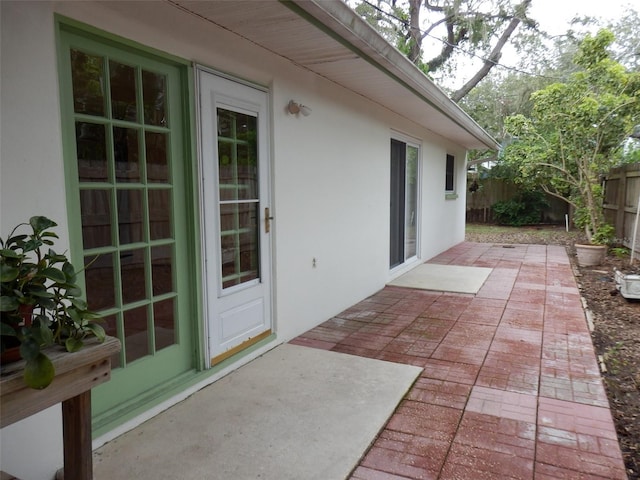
[620, 252]
[41, 303]
[524, 209]
[576, 130]
[604, 235]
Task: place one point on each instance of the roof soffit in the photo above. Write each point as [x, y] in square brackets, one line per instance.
[347, 51]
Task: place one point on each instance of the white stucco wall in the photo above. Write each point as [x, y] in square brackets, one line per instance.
[31, 183]
[330, 170]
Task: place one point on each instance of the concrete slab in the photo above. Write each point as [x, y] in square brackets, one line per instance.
[294, 413]
[444, 278]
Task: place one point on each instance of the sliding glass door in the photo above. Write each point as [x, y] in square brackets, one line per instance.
[403, 202]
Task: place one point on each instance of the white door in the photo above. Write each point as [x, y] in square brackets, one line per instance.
[235, 170]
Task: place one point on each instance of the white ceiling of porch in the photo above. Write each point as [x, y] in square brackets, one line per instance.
[329, 39]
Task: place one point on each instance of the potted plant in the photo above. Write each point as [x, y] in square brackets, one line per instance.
[594, 252]
[40, 302]
[575, 133]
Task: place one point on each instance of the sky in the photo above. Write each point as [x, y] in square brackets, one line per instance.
[553, 17]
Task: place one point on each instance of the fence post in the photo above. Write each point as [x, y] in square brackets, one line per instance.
[620, 201]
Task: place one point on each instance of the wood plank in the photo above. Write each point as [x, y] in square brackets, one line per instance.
[75, 373]
[76, 429]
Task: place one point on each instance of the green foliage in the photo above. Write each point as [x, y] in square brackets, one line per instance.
[630, 153]
[499, 96]
[620, 252]
[524, 209]
[40, 303]
[576, 130]
[604, 235]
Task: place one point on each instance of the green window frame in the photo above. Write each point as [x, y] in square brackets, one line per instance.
[132, 209]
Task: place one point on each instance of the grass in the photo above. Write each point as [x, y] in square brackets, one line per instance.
[542, 233]
[489, 229]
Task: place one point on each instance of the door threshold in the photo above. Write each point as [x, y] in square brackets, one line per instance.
[238, 348]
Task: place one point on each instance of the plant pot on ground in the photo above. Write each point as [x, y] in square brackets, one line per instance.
[589, 255]
[41, 304]
[594, 253]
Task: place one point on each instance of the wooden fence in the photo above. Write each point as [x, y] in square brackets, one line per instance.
[621, 196]
[489, 191]
[492, 190]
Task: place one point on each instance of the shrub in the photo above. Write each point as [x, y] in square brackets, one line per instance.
[524, 209]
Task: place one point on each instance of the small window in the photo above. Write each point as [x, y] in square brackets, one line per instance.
[450, 171]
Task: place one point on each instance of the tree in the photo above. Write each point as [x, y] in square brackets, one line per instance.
[627, 46]
[481, 28]
[500, 96]
[575, 130]
[543, 54]
[547, 60]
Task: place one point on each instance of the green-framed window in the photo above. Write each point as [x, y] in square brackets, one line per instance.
[129, 182]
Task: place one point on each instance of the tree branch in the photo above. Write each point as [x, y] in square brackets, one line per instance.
[554, 193]
[494, 56]
[453, 41]
[415, 36]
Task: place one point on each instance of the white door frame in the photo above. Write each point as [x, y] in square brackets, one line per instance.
[249, 303]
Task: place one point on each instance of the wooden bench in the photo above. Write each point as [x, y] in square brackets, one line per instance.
[76, 374]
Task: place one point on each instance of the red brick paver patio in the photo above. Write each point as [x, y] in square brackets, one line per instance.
[510, 388]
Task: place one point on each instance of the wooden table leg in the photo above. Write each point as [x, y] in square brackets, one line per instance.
[76, 430]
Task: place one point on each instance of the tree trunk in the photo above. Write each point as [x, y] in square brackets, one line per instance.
[415, 35]
[447, 50]
[494, 56]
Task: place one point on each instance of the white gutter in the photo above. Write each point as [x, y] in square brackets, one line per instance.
[356, 34]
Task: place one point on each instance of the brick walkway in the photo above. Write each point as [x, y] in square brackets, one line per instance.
[510, 387]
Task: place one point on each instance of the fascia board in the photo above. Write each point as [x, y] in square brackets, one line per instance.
[353, 32]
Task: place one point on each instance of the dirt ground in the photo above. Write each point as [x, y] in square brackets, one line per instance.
[617, 326]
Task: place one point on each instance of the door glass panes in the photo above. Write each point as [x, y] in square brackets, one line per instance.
[239, 202]
[110, 325]
[165, 331]
[130, 221]
[95, 210]
[154, 98]
[160, 214]
[404, 187]
[100, 279]
[88, 83]
[161, 268]
[125, 151]
[133, 274]
[136, 334]
[239, 243]
[91, 151]
[157, 166]
[126, 200]
[411, 202]
[123, 92]
[237, 156]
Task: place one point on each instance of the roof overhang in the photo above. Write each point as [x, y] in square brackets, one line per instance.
[346, 50]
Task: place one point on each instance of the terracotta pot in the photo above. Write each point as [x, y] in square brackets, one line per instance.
[26, 312]
[590, 255]
[11, 354]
